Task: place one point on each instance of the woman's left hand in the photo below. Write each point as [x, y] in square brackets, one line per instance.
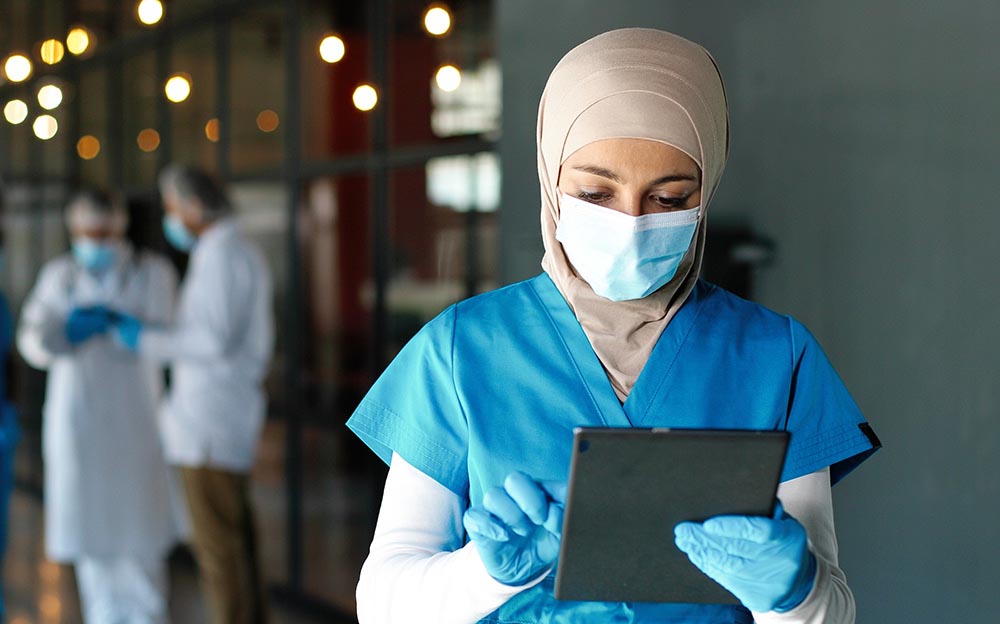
[765, 562]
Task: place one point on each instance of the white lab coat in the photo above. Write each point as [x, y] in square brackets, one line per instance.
[219, 350]
[107, 490]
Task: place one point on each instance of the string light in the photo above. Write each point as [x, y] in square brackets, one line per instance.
[437, 20]
[148, 140]
[177, 88]
[149, 11]
[212, 130]
[267, 120]
[78, 40]
[15, 111]
[51, 51]
[45, 127]
[448, 78]
[332, 49]
[17, 67]
[50, 97]
[365, 97]
[88, 147]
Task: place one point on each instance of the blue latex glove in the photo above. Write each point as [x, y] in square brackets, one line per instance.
[765, 562]
[518, 527]
[84, 323]
[128, 329]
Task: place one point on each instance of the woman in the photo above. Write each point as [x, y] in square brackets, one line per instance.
[477, 411]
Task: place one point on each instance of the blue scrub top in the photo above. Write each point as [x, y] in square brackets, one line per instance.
[498, 382]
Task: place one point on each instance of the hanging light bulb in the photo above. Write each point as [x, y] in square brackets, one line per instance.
[51, 51]
[17, 67]
[15, 111]
[332, 48]
[148, 140]
[149, 12]
[45, 127]
[365, 97]
[78, 40]
[177, 88]
[448, 78]
[50, 97]
[437, 20]
[88, 147]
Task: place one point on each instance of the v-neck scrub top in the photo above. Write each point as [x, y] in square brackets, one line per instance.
[498, 382]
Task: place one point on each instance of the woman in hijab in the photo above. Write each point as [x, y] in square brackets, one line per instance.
[475, 415]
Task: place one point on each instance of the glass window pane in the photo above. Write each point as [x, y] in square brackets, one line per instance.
[140, 136]
[92, 141]
[333, 126]
[193, 137]
[257, 89]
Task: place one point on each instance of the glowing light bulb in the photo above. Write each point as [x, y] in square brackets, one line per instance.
[15, 111]
[148, 140]
[50, 97]
[150, 11]
[332, 49]
[365, 97]
[177, 88]
[267, 120]
[448, 78]
[17, 67]
[51, 51]
[212, 130]
[437, 20]
[77, 40]
[88, 147]
[45, 127]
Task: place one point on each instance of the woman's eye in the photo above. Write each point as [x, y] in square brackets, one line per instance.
[669, 202]
[593, 198]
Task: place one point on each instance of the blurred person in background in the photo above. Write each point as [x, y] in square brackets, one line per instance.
[107, 491]
[10, 433]
[219, 350]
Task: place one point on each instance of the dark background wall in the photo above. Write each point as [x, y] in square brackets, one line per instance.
[865, 145]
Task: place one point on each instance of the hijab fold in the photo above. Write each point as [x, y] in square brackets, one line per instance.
[630, 83]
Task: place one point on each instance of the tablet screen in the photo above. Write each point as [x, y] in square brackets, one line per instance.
[628, 488]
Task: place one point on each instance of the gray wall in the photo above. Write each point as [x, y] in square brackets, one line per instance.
[865, 143]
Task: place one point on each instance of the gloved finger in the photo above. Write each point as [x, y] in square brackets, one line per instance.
[528, 495]
[554, 522]
[499, 503]
[556, 490]
[481, 525]
[756, 529]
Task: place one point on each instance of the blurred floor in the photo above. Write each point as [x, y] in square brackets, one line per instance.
[338, 514]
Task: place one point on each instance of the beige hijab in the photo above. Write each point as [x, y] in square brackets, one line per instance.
[630, 83]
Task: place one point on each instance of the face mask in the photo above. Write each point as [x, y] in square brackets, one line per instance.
[177, 234]
[94, 256]
[623, 257]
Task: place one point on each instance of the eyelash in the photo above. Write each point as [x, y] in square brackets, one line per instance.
[665, 202]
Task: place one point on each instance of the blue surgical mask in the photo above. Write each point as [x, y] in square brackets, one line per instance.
[177, 234]
[94, 256]
[623, 257]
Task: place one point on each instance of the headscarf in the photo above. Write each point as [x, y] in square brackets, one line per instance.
[630, 83]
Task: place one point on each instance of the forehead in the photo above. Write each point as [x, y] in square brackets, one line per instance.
[634, 158]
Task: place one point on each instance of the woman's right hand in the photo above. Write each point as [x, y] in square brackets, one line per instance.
[518, 527]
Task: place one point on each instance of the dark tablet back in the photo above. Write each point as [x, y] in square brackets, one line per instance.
[628, 488]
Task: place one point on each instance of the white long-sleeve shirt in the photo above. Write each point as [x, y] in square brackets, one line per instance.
[219, 349]
[419, 571]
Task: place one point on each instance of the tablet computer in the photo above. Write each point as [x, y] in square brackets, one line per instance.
[628, 488]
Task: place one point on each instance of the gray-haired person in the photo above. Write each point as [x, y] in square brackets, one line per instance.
[219, 349]
[107, 490]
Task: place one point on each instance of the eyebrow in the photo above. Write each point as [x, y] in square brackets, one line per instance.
[611, 175]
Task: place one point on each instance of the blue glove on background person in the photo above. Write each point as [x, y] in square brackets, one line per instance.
[128, 329]
[765, 562]
[85, 323]
[518, 527]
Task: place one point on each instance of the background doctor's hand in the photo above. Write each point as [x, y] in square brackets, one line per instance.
[85, 323]
[765, 562]
[518, 527]
[127, 330]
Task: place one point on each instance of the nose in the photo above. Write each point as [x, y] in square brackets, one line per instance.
[632, 205]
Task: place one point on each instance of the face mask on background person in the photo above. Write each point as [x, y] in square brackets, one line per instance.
[177, 234]
[95, 256]
[623, 257]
